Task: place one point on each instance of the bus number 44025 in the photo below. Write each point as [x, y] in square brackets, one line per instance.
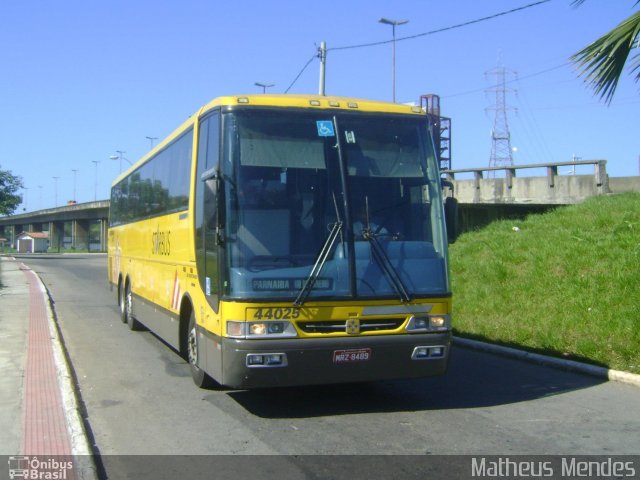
[276, 313]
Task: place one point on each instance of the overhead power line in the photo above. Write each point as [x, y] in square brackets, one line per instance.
[440, 30]
[541, 72]
[315, 55]
[432, 32]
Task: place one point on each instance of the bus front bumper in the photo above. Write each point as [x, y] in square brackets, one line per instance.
[309, 361]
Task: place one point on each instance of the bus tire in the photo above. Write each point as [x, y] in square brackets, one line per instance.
[131, 321]
[200, 378]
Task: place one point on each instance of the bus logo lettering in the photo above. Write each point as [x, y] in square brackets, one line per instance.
[161, 243]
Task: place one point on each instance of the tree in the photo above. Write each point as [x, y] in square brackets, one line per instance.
[601, 63]
[9, 185]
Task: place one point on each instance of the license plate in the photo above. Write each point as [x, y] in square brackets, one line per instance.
[351, 356]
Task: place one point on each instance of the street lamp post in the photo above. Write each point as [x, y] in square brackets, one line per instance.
[95, 191]
[264, 86]
[120, 157]
[393, 24]
[55, 186]
[151, 140]
[75, 174]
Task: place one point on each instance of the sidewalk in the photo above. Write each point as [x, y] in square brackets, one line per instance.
[14, 324]
[39, 415]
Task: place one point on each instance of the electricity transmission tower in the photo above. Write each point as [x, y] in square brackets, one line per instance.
[501, 150]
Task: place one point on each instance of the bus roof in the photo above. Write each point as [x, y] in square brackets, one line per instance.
[312, 102]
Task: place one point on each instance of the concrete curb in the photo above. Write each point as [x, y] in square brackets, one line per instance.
[570, 365]
[80, 448]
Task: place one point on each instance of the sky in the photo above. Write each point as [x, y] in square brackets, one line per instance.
[83, 79]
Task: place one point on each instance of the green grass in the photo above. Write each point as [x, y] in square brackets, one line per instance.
[563, 283]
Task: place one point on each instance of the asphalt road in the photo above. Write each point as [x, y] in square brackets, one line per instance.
[140, 400]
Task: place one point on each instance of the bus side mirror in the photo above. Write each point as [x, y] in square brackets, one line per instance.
[209, 175]
[451, 218]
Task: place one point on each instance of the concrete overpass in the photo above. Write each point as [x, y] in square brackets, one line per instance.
[490, 193]
[505, 192]
[80, 226]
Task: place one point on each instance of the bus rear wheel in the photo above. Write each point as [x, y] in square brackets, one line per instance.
[200, 378]
[122, 303]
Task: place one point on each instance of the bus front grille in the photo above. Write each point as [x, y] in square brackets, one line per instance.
[339, 326]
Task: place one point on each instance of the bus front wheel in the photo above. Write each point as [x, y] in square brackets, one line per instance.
[129, 319]
[200, 378]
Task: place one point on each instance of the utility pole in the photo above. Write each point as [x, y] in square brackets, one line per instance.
[574, 159]
[322, 53]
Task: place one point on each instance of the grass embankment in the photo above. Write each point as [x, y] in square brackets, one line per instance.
[563, 283]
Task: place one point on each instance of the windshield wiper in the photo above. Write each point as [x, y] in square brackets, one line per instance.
[317, 267]
[321, 259]
[385, 265]
[382, 258]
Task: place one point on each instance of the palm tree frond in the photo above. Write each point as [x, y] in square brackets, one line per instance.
[601, 63]
[635, 65]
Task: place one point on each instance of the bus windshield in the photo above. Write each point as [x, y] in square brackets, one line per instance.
[347, 203]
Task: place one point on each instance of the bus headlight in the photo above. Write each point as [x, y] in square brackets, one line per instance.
[438, 322]
[276, 329]
[428, 323]
[257, 329]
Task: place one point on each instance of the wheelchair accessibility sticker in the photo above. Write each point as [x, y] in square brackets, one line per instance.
[325, 128]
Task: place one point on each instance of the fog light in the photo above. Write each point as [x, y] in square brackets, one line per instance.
[265, 360]
[274, 359]
[428, 353]
[254, 359]
[420, 353]
[437, 352]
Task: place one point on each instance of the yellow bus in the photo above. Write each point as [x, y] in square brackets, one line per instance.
[278, 240]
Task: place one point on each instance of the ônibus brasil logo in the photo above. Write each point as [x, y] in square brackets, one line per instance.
[21, 466]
